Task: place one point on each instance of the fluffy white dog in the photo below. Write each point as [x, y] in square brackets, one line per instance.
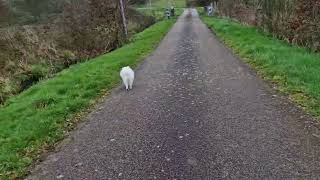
[127, 76]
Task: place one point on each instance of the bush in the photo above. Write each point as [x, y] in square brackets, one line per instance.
[31, 75]
[6, 89]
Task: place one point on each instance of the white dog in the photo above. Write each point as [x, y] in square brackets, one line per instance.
[127, 76]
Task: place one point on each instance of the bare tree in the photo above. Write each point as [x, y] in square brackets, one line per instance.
[124, 21]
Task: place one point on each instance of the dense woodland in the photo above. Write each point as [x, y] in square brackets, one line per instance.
[296, 21]
[41, 37]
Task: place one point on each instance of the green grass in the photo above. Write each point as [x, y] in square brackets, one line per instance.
[39, 117]
[295, 70]
[165, 4]
[168, 3]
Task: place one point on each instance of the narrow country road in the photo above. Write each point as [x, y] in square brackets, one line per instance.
[196, 112]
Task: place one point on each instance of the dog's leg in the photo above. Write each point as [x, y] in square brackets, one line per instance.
[131, 82]
[127, 83]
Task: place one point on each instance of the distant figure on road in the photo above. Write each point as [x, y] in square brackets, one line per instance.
[210, 10]
[172, 11]
[167, 13]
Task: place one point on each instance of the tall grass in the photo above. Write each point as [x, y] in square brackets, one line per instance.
[164, 3]
[40, 116]
[295, 70]
[168, 3]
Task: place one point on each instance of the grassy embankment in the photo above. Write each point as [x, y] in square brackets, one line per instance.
[295, 70]
[36, 119]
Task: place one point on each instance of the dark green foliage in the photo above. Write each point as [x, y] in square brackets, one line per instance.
[4, 12]
[201, 2]
[32, 11]
[132, 2]
[34, 7]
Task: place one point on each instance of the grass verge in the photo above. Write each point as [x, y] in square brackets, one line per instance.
[39, 117]
[294, 70]
[164, 4]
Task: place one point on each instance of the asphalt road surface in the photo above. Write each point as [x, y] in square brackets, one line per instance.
[195, 112]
